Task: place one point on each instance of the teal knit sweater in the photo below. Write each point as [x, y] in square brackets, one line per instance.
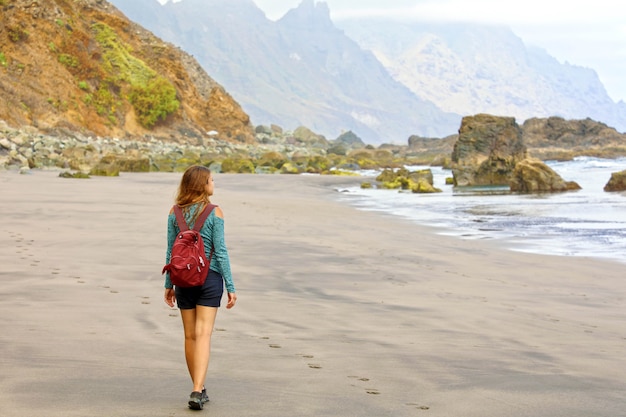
[213, 235]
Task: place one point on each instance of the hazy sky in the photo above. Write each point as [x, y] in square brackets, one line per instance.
[589, 33]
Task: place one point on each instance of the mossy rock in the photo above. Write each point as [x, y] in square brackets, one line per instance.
[617, 182]
[141, 164]
[422, 174]
[449, 181]
[389, 175]
[105, 170]
[238, 165]
[395, 184]
[367, 163]
[366, 185]
[319, 164]
[163, 163]
[386, 176]
[67, 174]
[272, 159]
[423, 187]
[290, 168]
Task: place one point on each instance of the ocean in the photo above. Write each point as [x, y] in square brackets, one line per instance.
[588, 222]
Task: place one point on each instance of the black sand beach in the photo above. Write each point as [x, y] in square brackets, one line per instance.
[340, 312]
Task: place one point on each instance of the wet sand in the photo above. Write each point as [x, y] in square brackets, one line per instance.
[340, 312]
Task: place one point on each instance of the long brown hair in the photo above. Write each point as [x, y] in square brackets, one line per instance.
[192, 189]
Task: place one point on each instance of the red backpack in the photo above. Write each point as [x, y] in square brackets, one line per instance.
[188, 265]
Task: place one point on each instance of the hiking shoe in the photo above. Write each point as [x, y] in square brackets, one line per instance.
[205, 397]
[195, 400]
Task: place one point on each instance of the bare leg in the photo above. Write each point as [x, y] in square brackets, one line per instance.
[198, 325]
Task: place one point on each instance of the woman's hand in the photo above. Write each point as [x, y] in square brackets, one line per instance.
[232, 299]
[170, 297]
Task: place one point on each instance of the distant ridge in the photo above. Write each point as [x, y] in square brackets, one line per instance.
[470, 68]
[301, 70]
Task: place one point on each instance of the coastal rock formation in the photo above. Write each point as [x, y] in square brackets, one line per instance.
[82, 66]
[487, 150]
[617, 182]
[420, 181]
[560, 139]
[532, 175]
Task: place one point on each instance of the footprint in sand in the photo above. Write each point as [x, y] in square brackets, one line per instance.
[274, 346]
[359, 378]
[315, 366]
[419, 407]
[78, 280]
[145, 300]
[371, 391]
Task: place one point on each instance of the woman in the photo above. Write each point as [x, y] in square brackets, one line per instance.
[198, 305]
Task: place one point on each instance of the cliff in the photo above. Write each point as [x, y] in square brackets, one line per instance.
[82, 66]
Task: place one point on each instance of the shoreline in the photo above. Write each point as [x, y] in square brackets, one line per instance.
[341, 311]
[513, 220]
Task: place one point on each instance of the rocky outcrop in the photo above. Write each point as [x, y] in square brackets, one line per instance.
[617, 182]
[487, 150]
[532, 175]
[560, 139]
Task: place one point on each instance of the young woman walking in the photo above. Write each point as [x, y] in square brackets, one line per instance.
[198, 305]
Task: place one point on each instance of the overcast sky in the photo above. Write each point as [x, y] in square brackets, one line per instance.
[582, 32]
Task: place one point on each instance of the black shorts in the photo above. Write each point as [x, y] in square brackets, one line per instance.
[208, 295]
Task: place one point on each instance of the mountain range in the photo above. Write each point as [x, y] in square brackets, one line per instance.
[469, 68]
[385, 80]
[301, 70]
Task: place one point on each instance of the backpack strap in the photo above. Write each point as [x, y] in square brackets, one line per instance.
[182, 224]
[203, 216]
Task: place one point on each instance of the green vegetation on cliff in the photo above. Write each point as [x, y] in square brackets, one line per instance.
[153, 97]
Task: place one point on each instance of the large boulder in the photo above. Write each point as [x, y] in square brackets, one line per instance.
[532, 175]
[306, 136]
[617, 182]
[487, 150]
